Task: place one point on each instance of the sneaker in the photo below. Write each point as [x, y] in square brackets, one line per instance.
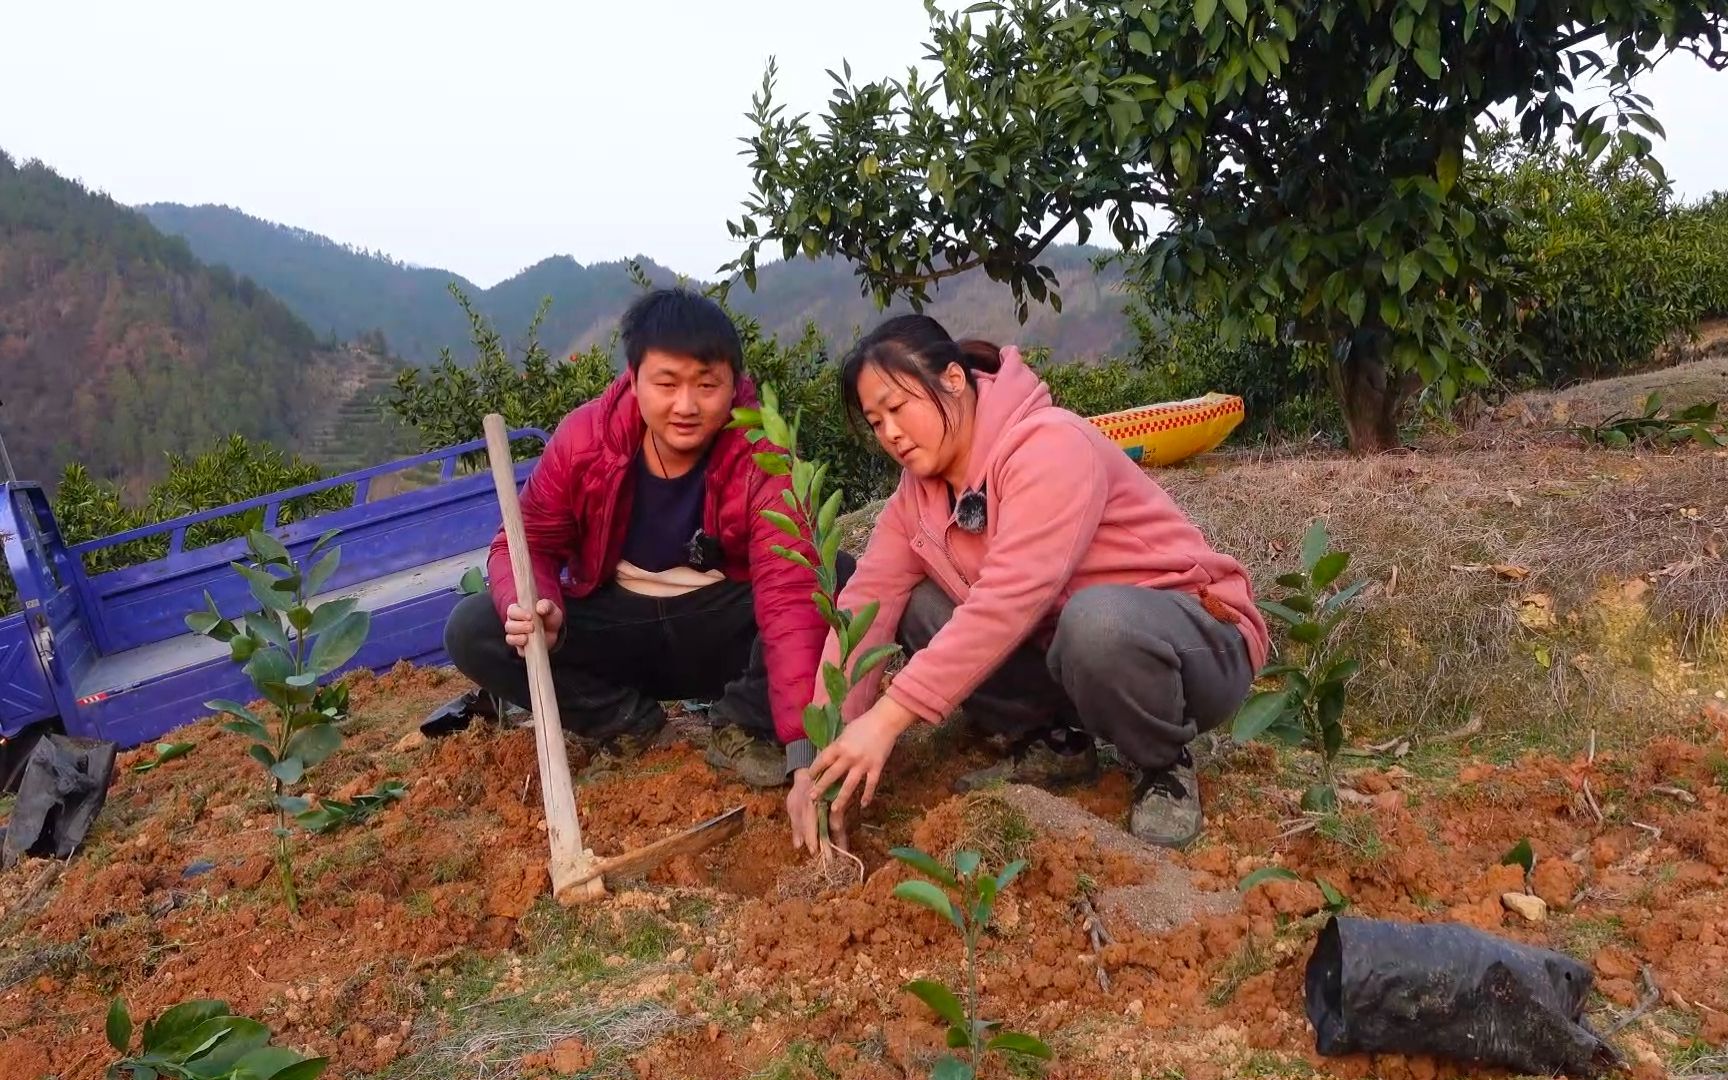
[1167, 805]
[1058, 758]
[759, 762]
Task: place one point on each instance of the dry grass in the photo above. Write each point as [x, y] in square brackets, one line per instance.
[1441, 631]
[494, 1050]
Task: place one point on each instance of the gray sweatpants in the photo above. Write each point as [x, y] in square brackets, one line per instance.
[1145, 670]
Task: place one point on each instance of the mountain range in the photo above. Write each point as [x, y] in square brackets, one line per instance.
[344, 292]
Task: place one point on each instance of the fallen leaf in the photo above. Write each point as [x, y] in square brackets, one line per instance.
[1507, 570]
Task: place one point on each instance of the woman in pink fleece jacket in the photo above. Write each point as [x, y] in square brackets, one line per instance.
[1035, 574]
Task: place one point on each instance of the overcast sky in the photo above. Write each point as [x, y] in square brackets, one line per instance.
[481, 138]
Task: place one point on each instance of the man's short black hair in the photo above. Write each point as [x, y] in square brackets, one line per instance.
[683, 323]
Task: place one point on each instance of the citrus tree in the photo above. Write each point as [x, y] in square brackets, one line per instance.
[1307, 154]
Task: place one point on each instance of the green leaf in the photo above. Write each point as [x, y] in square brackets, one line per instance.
[293, 804]
[240, 1037]
[783, 522]
[337, 645]
[1293, 581]
[1401, 27]
[268, 548]
[288, 769]
[241, 647]
[1258, 713]
[940, 999]
[834, 680]
[264, 588]
[314, 743]
[949, 1068]
[822, 724]
[1356, 306]
[300, 618]
[310, 1069]
[1332, 564]
[773, 464]
[1340, 672]
[872, 657]
[269, 668]
[1522, 854]
[966, 863]
[473, 581]
[1308, 633]
[265, 1063]
[1338, 600]
[1377, 87]
[1282, 612]
[1447, 168]
[1314, 544]
[1429, 61]
[165, 752]
[1203, 12]
[1335, 900]
[1266, 873]
[325, 569]
[329, 613]
[1238, 10]
[1019, 1043]
[1320, 799]
[267, 625]
[180, 1021]
[1009, 873]
[830, 510]
[924, 864]
[927, 895]
[119, 1026]
[262, 755]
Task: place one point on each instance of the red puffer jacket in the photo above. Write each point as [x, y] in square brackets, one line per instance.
[576, 508]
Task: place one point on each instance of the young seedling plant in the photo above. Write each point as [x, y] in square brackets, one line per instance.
[811, 519]
[202, 1040]
[1701, 423]
[288, 645]
[965, 895]
[1307, 706]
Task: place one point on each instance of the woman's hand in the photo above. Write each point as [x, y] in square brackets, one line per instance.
[858, 757]
[801, 812]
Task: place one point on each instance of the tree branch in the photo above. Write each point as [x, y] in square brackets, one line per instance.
[903, 281]
[1250, 146]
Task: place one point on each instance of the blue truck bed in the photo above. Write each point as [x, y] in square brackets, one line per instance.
[108, 656]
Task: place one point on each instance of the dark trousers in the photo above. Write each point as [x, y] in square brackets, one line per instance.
[1146, 670]
[624, 653]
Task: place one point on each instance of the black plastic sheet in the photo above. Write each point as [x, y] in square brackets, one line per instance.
[62, 789]
[1451, 991]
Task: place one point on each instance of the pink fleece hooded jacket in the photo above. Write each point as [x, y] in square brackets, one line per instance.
[1066, 509]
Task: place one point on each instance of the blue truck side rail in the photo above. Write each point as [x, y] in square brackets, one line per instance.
[108, 655]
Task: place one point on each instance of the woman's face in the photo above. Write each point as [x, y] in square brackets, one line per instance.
[908, 422]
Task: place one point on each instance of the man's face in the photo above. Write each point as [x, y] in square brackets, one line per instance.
[684, 402]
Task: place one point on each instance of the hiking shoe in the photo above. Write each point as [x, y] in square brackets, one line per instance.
[613, 752]
[1054, 759]
[1167, 805]
[761, 763]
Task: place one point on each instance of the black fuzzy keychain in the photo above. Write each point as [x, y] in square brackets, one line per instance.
[972, 510]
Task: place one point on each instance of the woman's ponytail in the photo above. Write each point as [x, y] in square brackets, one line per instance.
[979, 355]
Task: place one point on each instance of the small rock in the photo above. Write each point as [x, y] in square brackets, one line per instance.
[414, 740]
[676, 956]
[1532, 908]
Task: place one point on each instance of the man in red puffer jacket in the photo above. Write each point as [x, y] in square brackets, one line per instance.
[650, 506]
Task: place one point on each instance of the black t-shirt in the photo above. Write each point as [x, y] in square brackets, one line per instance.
[664, 515]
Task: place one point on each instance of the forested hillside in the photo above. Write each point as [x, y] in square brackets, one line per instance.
[119, 346]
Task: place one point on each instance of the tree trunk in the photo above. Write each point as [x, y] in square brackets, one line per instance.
[1369, 394]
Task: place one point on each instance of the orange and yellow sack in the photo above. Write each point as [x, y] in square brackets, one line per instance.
[1172, 431]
